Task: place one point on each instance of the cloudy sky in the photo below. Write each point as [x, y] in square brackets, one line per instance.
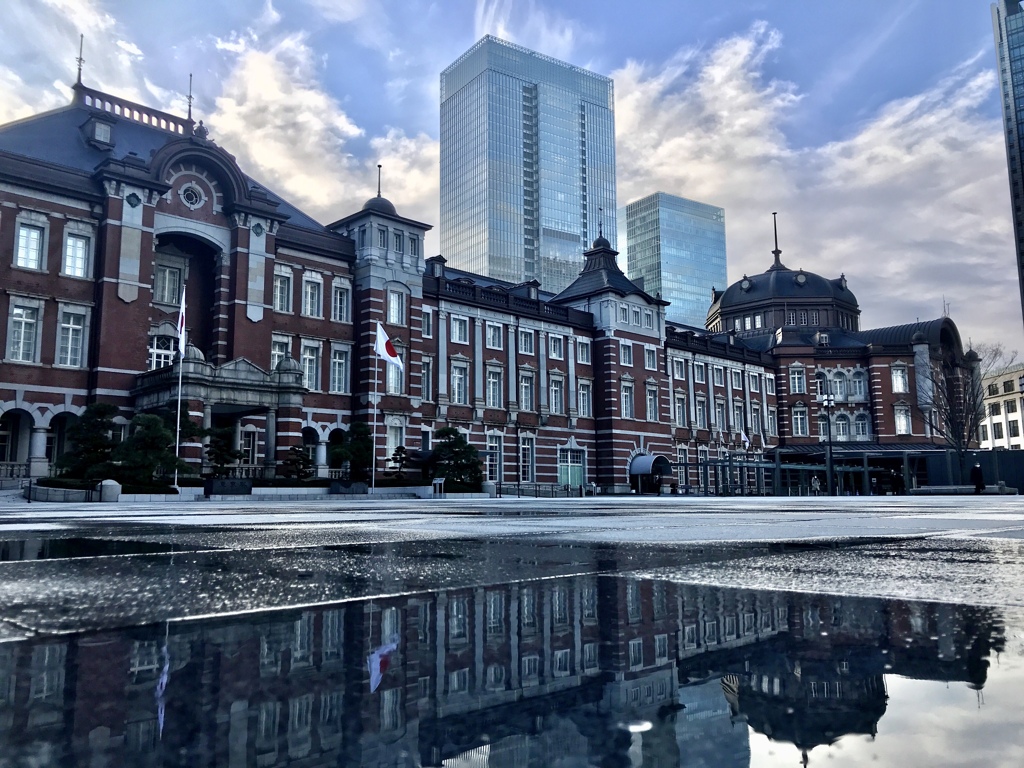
[872, 127]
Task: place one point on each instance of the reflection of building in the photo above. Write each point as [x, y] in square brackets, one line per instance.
[527, 163]
[497, 675]
[676, 249]
[1008, 28]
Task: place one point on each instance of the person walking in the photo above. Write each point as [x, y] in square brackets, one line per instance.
[815, 485]
[978, 478]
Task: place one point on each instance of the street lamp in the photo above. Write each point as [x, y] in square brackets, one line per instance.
[828, 400]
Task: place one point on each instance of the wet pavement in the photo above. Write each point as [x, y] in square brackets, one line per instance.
[611, 632]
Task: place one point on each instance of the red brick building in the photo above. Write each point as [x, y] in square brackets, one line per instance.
[110, 210]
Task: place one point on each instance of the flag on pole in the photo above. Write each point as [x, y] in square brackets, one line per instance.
[746, 440]
[378, 663]
[181, 326]
[385, 349]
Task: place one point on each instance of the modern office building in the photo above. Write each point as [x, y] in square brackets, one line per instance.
[1008, 28]
[676, 248]
[527, 164]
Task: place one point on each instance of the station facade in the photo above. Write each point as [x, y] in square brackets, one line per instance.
[110, 210]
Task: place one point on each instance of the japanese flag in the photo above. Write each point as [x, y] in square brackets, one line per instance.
[386, 349]
[181, 326]
[378, 663]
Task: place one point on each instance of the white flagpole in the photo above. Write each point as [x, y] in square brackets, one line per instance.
[373, 455]
[181, 366]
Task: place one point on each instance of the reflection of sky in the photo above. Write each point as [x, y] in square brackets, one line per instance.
[932, 723]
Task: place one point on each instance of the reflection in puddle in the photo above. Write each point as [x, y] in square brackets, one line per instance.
[584, 670]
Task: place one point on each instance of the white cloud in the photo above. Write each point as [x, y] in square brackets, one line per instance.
[523, 22]
[912, 206]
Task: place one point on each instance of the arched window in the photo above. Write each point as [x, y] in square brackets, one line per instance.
[859, 386]
[839, 385]
[822, 383]
[861, 427]
[842, 426]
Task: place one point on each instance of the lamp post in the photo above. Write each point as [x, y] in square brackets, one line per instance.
[828, 400]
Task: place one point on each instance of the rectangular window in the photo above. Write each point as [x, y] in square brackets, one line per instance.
[1008, 386]
[494, 389]
[636, 315]
[458, 619]
[984, 433]
[650, 358]
[660, 649]
[396, 308]
[636, 653]
[414, 246]
[282, 293]
[737, 417]
[702, 413]
[339, 370]
[773, 422]
[902, 414]
[995, 409]
[560, 663]
[24, 331]
[769, 384]
[494, 336]
[680, 410]
[899, 380]
[737, 380]
[699, 373]
[382, 238]
[652, 404]
[625, 353]
[797, 381]
[72, 338]
[460, 384]
[399, 245]
[1011, 406]
[458, 681]
[76, 255]
[527, 454]
[720, 415]
[557, 396]
[167, 284]
[427, 381]
[791, 318]
[460, 330]
[799, 422]
[30, 247]
[997, 431]
[755, 422]
[495, 613]
[427, 324]
[589, 656]
[582, 351]
[648, 319]
[340, 302]
[718, 376]
[312, 298]
[586, 400]
[624, 314]
[627, 401]
[279, 350]
[690, 636]
[531, 668]
[526, 392]
[525, 342]
[494, 458]
[394, 380]
[311, 366]
[556, 347]
[679, 369]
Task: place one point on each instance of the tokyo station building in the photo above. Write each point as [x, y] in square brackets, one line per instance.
[109, 210]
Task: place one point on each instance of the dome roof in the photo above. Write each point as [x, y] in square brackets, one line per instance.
[380, 205]
[601, 242]
[288, 363]
[782, 284]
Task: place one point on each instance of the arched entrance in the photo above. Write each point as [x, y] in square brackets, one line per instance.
[647, 471]
[15, 435]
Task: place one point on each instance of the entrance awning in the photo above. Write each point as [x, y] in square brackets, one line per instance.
[649, 464]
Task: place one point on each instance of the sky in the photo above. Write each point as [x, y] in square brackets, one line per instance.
[873, 128]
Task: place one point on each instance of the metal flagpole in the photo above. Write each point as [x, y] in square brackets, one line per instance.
[181, 366]
[373, 455]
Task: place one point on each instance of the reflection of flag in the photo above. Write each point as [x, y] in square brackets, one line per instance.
[181, 325]
[378, 662]
[161, 687]
[383, 347]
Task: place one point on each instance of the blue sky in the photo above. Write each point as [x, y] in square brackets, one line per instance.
[872, 127]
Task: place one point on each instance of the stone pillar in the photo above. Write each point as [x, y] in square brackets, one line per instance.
[38, 465]
[270, 444]
[321, 459]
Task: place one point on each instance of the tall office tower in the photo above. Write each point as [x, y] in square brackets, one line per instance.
[527, 164]
[677, 248]
[1008, 28]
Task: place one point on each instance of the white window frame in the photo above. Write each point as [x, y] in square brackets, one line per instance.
[394, 380]
[527, 391]
[797, 380]
[82, 358]
[275, 341]
[900, 379]
[901, 418]
[459, 329]
[718, 376]
[35, 316]
[556, 346]
[801, 425]
[427, 323]
[648, 319]
[341, 302]
[282, 290]
[556, 395]
[526, 341]
[700, 373]
[626, 354]
[312, 295]
[34, 259]
[585, 404]
[460, 383]
[74, 232]
[624, 314]
[628, 401]
[652, 404]
[311, 373]
[162, 293]
[494, 336]
[341, 369]
[396, 309]
[494, 388]
[427, 379]
[769, 384]
[678, 369]
[754, 382]
[583, 351]
[650, 358]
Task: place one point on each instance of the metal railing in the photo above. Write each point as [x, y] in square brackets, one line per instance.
[543, 490]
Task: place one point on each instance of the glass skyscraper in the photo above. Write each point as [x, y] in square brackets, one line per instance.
[527, 164]
[677, 248]
[1008, 28]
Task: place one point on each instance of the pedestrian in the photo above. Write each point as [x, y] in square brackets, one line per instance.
[978, 478]
[815, 485]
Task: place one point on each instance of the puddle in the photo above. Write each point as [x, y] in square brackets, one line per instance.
[13, 550]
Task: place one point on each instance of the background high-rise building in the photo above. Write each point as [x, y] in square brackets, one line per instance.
[676, 248]
[1008, 28]
[527, 164]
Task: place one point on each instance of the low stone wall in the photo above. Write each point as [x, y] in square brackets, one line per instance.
[962, 490]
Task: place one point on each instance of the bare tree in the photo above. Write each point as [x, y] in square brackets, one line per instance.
[953, 394]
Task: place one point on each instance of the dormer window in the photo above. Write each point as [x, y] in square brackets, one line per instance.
[101, 132]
